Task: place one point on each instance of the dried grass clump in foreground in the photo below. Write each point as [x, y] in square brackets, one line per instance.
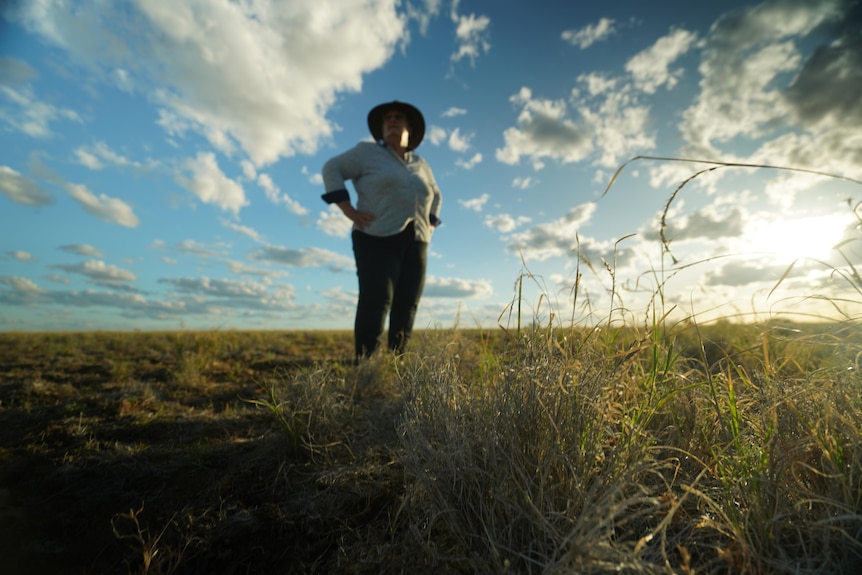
[585, 457]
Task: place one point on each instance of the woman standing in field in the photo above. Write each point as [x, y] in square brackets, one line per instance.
[397, 208]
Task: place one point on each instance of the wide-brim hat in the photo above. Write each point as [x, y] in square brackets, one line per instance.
[414, 119]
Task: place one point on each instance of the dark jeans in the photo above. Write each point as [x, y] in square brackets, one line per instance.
[391, 274]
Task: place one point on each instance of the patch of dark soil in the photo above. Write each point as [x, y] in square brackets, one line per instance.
[100, 476]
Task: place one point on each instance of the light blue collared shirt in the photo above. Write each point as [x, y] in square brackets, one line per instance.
[396, 191]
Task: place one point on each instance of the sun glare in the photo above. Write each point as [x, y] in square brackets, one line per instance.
[788, 240]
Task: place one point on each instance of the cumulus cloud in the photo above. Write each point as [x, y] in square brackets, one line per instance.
[204, 64]
[745, 53]
[613, 123]
[651, 67]
[202, 176]
[97, 156]
[242, 268]
[333, 223]
[30, 116]
[21, 189]
[522, 183]
[475, 204]
[475, 160]
[81, 250]
[825, 92]
[588, 35]
[438, 287]
[99, 272]
[217, 287]
[454, 112]
[20, 255]
[22, 285]
[424, 15]
[436, 135]
[303, 258]
[598, 83]
[276, 196]
[756, 86]
[471, 33]
[543, 131]
[504, 223]
[555, 238]
[459, 143]
[744, 273]
[619, 125]
[707, 223]
[200, 249]
[112, 210]
[244, 230]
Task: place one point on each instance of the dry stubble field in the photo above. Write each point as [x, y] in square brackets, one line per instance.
[116, 446]
[734, 449]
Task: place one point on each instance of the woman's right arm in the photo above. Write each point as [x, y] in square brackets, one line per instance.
[336, 171]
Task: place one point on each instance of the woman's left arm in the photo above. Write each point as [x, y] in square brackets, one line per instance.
[436, 200]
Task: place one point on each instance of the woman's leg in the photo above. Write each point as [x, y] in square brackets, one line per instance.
[376, 268]
[408, 291]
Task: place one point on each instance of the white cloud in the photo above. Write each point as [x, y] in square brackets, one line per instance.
[436, 135]
[30, 116]
[22, 285]
[597, 83]
[588, 35]
[22, 190]
[123, 80]
[745, 52]
[472, 35]
[334, 223]
[454, 112]
[242, 268]
[95, 156]
[551, 239]
[475, 204]
[457, 142]
[504, 223]
[113, 210]
[619, 126]
[303, 258]
[756, 87]
[424, 17]
[81, 250]
[543, 131]
[275, 195]
[206, 58]
[249, 172]
[220, 288]
[315, 178]
[208, 183]
[199, 249]
[523, 183]
[244, 230]
[707, 223]
[20, 255]
[611, 121]
[651, 67]
[471, 163]
[456, 288]
[99, 272]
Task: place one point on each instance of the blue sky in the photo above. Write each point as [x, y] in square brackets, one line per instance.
[161, 159]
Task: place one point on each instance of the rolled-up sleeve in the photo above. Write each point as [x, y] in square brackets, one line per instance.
[336, 171]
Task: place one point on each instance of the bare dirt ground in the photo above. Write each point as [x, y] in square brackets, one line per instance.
[140, 453]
